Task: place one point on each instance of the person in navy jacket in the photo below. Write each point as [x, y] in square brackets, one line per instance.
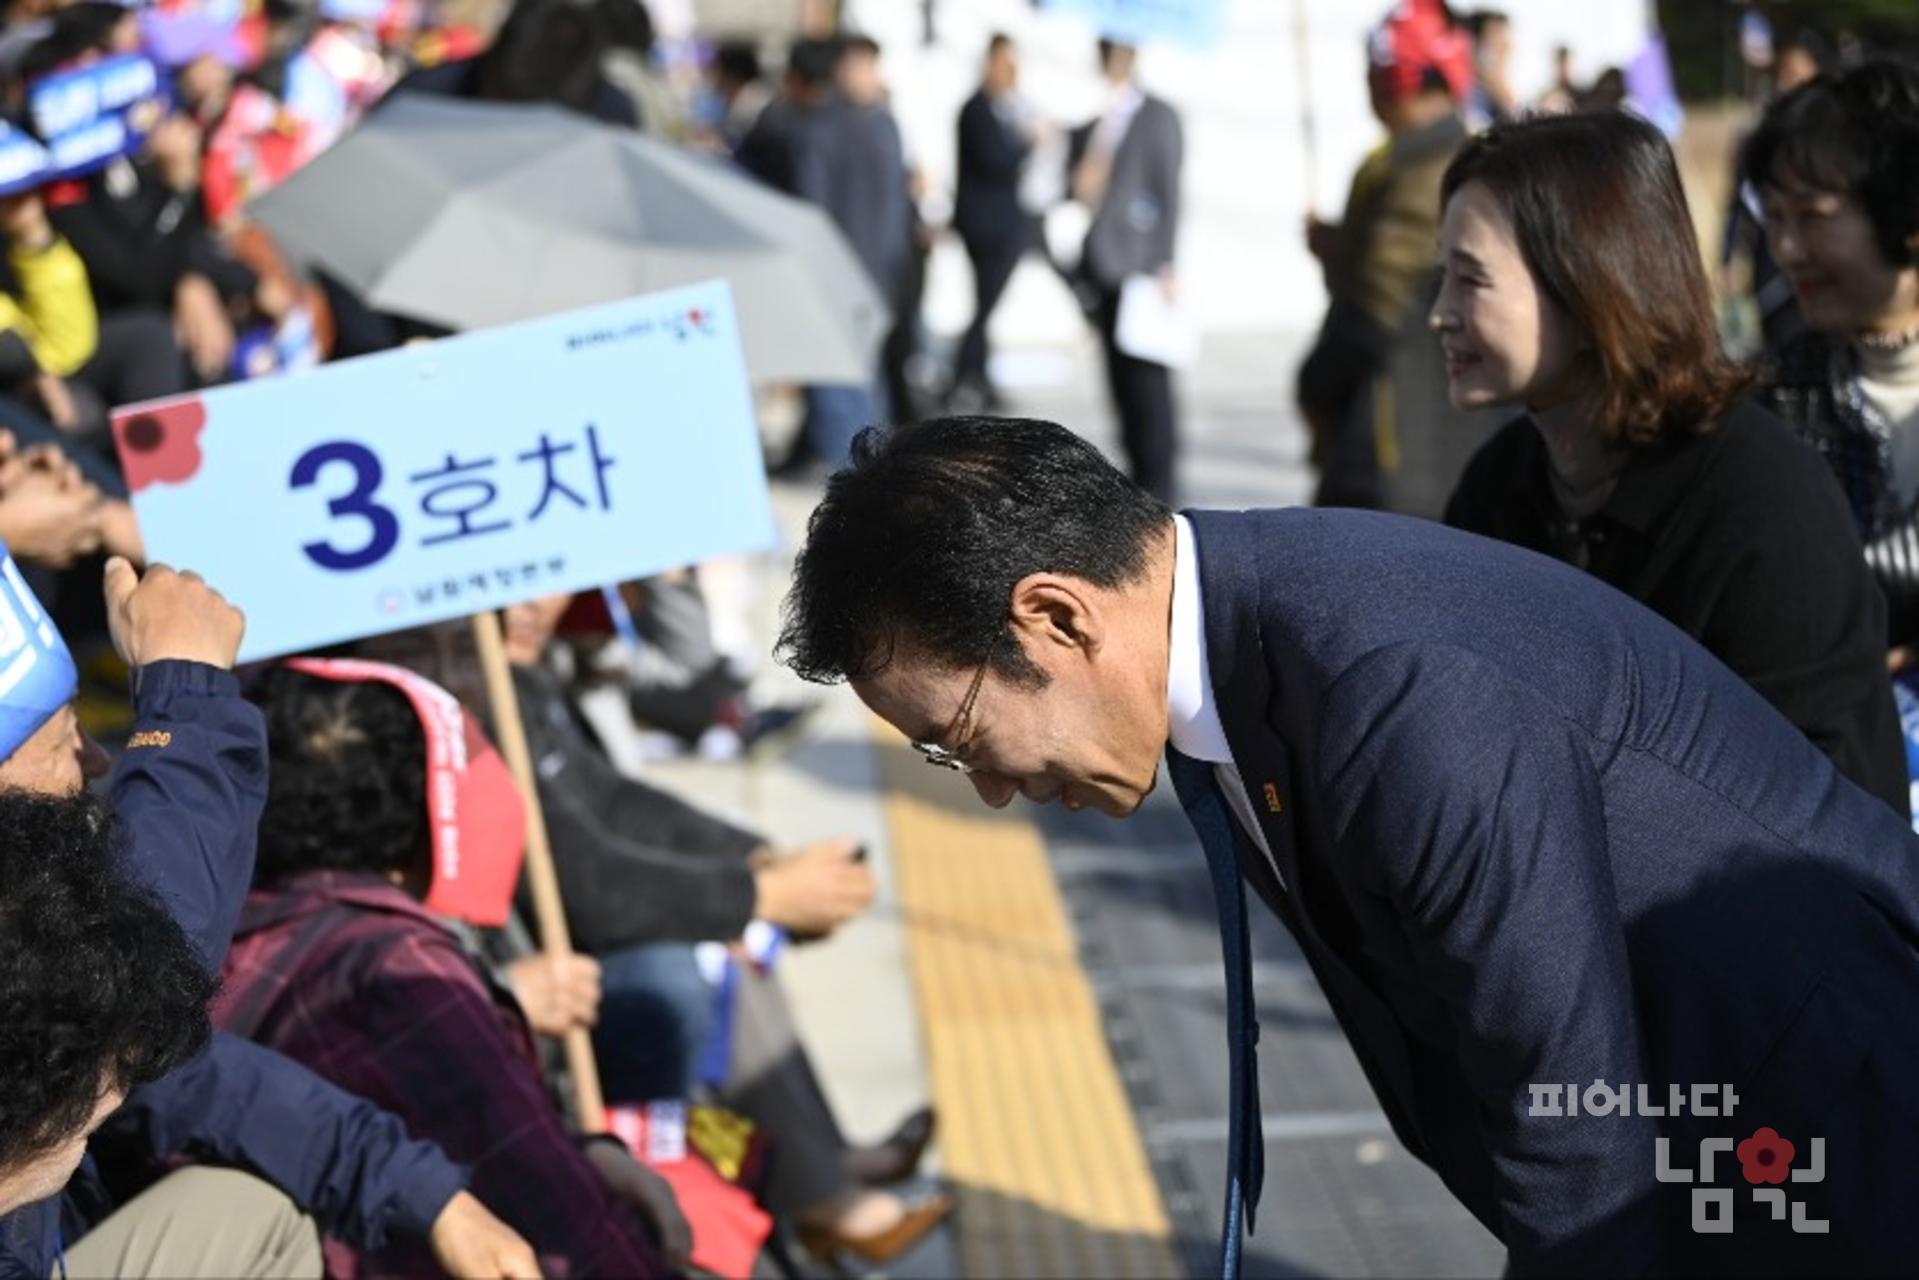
[1527, 833]
[187, 793]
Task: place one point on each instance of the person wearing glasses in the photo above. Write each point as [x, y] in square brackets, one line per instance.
[1526, 831]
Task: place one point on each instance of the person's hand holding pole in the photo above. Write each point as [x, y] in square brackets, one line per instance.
[558, 993]
[169, 615]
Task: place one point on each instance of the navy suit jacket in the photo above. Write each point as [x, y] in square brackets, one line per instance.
[1531, 833]
[986, 207]
[1135, 230]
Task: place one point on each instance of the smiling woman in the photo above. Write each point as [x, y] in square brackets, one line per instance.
[1600, 289]
[1837, 163]
[1572, 288]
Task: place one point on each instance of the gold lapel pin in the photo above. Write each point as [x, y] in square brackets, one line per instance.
[1272, 799]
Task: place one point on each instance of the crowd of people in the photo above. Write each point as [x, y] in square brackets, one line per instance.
[1570, 290]
[378, 1089]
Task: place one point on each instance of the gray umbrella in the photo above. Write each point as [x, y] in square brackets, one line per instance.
[472, 214]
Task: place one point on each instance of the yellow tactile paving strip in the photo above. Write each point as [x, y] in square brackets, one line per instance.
[1036, 1132]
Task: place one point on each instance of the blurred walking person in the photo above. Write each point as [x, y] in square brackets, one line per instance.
[890, 225]
[1492, 100]
[831, 140]
[1125, 169]
[1379, 258]
[996, 135]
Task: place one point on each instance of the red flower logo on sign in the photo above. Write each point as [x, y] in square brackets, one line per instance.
[1767, 1157]
[160, 444]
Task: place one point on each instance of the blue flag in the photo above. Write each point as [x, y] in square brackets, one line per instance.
[36, 671]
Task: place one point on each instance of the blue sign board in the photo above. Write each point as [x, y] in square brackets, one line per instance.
[1194, 23]
[24, 163]
[96, 113]
[37, 676]
[446, 478]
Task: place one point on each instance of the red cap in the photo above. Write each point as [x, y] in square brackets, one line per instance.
[474, 808]
[1417, 36]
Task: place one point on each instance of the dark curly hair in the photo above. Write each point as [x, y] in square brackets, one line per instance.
[346, 784]
[1855, 135]
[928, 529]
[99, 987]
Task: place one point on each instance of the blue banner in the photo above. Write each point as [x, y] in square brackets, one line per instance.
[97, 113]
[1193, 23]
[439, 480]
[24, 163]
[36, 671]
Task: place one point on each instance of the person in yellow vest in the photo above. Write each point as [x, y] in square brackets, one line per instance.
[47, 318]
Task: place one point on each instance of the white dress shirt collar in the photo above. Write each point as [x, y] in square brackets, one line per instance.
[1122, 104]
[1192, 715]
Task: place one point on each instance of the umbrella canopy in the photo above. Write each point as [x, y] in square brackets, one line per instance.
[472, 214]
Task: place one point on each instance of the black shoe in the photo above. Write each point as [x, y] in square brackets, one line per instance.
[898, 1157]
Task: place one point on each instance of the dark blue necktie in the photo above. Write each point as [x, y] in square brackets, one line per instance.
[1199, 792]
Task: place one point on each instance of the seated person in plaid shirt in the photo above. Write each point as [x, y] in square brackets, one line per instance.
[339, 964]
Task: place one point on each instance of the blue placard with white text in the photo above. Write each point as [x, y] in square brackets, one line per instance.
[1193, 23]
[91, 115]
[435, 481]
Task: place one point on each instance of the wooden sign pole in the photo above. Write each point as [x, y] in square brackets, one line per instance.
[1308, 126]
[548, 910]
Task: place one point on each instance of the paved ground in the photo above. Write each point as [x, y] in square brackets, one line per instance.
[1342, 1198]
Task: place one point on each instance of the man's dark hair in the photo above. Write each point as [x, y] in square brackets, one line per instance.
[1480, 21]
[1602, 222]
[78, 29]
[629, 25]
[998, 41]
[99, 988]
[546, 51]
[346, 787]
[1810, 43]
[811, 62]
[1855, 135]
[927, 530]
[738, 61]
[864, 44]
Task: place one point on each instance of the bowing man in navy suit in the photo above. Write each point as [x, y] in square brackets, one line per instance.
[1527, 833]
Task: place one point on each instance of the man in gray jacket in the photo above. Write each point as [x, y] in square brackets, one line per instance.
[1125, 169]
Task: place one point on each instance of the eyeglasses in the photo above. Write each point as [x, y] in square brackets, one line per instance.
[936, 755]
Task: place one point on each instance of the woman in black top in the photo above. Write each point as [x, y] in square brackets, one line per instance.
[1571, 286]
